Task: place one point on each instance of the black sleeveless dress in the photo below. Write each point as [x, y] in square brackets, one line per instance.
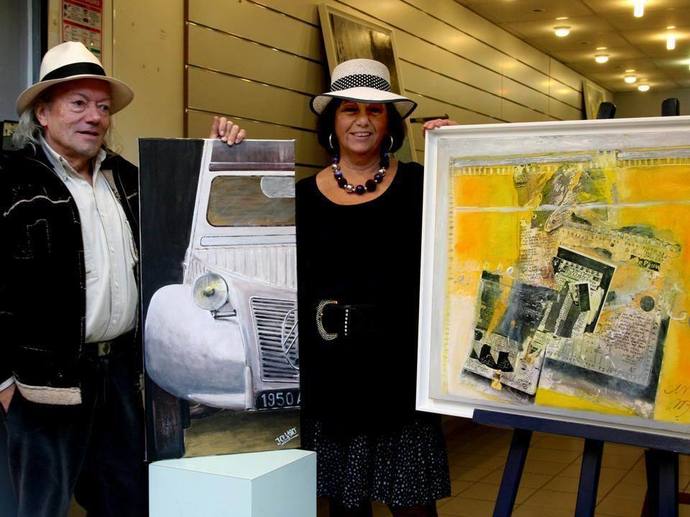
[358, 378]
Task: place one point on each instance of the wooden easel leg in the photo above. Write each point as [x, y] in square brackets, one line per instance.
[512, 473]
[589, 478]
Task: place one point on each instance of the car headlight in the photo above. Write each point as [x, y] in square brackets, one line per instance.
[210, 291]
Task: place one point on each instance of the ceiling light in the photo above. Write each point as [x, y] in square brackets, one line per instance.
[630, 77]
[561, 18]
[670, 38]
[638, 9]
[643, 87]
[561, 31]
[601, 58]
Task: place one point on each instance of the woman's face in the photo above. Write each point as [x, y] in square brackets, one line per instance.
[360, 128]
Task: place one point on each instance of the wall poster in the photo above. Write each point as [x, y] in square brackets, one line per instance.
[82, 20]
[349, 37]
[556, 272]
[219, 296]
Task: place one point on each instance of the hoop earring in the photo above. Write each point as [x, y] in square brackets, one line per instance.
[330, 142]
[391, 144]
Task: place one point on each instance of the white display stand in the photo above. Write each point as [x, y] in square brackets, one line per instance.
[260, 484]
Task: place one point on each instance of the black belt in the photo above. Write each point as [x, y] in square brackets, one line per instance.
[108, 348]
[338, 320]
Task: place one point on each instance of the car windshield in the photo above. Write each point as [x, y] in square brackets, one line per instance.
[252, 201]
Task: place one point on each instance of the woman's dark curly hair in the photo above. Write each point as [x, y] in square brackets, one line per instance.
[326, 122]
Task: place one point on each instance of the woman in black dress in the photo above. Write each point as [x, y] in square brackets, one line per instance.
[358, 255]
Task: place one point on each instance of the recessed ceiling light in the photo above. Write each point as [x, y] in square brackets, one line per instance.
[561, 31]
[561, 18]
[643, 87]
[670, 38]
[638, 8]
[601, 58]
[601, 48]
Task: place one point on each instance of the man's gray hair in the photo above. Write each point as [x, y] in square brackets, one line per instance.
[28, 130]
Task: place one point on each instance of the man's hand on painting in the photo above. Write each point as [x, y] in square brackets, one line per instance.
[227, 131]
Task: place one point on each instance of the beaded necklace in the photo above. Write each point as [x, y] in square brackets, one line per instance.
[369, 185]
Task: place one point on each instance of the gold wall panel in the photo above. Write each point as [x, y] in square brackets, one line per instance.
[253, 61]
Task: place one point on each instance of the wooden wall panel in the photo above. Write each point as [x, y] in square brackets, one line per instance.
[431, 107]
[565, 75]
[253, 61]
[256, 23]
[446, 89]
[517, 113]
[528, 97]
[218, 93]
[565, 93]
[425, 54]
[563, 111]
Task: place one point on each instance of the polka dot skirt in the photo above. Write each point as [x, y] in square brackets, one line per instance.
[402, 468]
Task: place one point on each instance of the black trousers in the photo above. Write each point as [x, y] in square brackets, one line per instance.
[94, 450]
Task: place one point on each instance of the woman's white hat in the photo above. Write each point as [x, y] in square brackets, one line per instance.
[70, 61]
[362, 80]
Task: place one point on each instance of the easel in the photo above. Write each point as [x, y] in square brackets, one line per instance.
[661, 460]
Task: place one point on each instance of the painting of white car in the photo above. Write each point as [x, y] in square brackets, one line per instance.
[226, 336]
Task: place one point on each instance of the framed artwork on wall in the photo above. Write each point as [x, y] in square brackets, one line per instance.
[349, 37]
[556, 272]
[593, 95]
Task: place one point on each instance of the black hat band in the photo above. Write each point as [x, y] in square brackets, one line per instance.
[361, 80]
[74, 69]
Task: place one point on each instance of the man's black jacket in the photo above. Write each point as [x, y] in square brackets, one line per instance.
[42, 277]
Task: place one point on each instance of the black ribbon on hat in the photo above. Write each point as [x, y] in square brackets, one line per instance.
[361, 80]
[74, 69]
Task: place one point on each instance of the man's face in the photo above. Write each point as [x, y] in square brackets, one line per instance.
[76, 117]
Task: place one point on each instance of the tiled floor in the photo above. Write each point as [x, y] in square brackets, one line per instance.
[549, 483]
[548, 487]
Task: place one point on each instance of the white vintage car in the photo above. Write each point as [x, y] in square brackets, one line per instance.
[227, 336]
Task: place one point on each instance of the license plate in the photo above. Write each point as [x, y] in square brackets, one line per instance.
[276, 399]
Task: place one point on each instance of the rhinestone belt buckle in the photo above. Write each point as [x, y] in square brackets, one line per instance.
[325, 335]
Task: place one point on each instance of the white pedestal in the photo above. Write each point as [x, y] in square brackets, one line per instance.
[259, 484]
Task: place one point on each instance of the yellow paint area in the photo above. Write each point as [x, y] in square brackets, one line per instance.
[553, 398]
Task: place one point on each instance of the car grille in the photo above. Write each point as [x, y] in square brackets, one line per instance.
[273, 320]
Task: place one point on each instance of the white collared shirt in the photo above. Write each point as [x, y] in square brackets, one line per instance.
[109, 251]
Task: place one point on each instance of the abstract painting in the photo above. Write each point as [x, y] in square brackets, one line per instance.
[556, 271]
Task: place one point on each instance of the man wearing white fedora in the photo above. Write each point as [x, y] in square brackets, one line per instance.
[70, 360]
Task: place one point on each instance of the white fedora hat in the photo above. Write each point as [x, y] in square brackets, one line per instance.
[362, 80]
[70, 61]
